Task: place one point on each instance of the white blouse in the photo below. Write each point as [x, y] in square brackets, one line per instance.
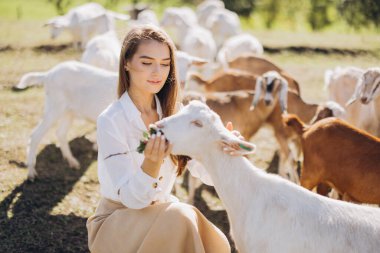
[119, 130]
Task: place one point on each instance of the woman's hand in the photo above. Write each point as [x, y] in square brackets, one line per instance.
[155, 151]
[228, 149]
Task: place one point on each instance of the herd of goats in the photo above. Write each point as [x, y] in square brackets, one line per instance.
[219, 65]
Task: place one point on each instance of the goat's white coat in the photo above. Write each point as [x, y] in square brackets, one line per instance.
[73, 89]
[84, 21]
[205, 8]
[342, 84]
[268, 213]
[192, 38]
[223, 24]
[103, 51]
[237, 46]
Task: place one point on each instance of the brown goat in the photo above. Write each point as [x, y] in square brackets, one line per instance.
[231, 80]
[258, 65]
[340, 155]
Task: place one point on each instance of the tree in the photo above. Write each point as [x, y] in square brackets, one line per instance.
[60, 5]
[318, 15]
[241, 7]
[360, 13]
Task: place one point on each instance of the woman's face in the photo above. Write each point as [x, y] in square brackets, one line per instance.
[149, 67]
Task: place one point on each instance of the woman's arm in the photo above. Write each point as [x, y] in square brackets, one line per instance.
[134, 186]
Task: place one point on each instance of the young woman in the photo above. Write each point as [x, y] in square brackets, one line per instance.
[137, 213]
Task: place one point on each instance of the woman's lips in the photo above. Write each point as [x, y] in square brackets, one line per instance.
[154, 82]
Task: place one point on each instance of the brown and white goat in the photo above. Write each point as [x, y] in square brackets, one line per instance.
[274, 89]
[228, 80]
[258, 65]
[340, 155]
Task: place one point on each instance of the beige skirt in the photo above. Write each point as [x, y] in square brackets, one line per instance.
[166, 227]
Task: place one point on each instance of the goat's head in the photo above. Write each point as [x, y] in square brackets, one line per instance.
[328, 109]
[367, 87]
[370, 85]
[196, 129]
[57, 25]
[271, 82]
[184, 62]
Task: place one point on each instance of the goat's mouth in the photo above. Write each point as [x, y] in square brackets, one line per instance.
[268, 102]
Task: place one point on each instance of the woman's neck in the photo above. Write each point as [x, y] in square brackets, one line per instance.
[144, 102]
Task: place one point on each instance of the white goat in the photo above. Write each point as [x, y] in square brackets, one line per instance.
[145, 17]
[184, 63]
[205, 8]
[72, 89]
[171, 16]
[103, 51]
[194, 39]
[223, 24]
[268, 213]
[367, 90]
[239, 45]
[84, 21]
[342, 84]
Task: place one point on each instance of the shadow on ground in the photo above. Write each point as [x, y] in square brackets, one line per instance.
[26, 224]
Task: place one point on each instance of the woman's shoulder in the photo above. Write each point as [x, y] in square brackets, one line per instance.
[113, 110]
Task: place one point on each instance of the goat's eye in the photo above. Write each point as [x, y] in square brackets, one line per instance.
[197, 123]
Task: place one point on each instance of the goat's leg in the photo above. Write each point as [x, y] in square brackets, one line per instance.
[63, 143]
[286, 168]
[194, 183]
[39, 131]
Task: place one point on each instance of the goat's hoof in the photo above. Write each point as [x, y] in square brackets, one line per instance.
[74, 164]
[32, 176]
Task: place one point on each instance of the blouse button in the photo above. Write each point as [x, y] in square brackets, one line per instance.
[155, 185]
[160, 178]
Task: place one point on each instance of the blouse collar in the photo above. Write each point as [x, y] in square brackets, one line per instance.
[130, 109]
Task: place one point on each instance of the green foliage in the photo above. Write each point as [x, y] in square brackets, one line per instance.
[61, 5]
[318, 15]
[241, 7]
[363, 13]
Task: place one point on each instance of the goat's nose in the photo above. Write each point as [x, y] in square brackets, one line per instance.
[267, 102]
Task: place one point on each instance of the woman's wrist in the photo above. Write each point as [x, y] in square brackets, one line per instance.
[151, 168]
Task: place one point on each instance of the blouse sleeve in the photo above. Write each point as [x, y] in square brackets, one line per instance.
[135, 188]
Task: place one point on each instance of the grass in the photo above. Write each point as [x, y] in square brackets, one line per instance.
[50, 214]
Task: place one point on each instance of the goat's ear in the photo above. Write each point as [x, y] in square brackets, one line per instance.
[196, 61]
[238, 146]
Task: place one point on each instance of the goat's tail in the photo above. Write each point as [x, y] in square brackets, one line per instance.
[31, 79]
[292, 121]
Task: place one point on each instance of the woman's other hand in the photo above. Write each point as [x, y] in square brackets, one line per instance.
[228, 149]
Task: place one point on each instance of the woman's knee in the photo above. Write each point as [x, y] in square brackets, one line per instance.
[181, 213]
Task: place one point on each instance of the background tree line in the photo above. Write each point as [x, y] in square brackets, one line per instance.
[318, 14]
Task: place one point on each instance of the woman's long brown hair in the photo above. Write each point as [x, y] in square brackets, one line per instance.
[169, 93]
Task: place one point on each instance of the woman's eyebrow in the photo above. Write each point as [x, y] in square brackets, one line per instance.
[150, 58]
